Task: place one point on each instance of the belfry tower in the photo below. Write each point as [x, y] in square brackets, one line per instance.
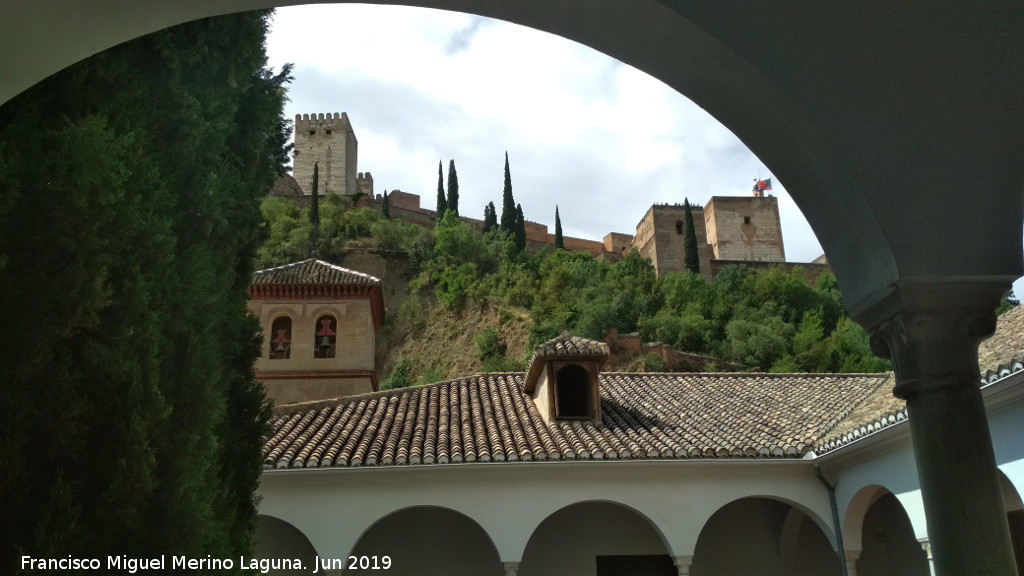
[327, 139]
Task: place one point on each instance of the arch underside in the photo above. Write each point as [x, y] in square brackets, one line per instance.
[903, 152]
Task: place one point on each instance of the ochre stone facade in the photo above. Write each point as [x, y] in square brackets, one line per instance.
[327, 139]
[745, 229]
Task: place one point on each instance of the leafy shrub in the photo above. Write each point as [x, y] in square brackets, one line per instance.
[399, 376]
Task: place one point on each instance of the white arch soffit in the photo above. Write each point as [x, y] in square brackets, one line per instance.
[820, 522]
[848, 109]
[631, 509]
[412, 510]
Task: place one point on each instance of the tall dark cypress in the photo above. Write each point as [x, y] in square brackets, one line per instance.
[314, 214]
[385, 206]
[558, 231]
[453, 188]
[520, 232]
[129, 303]
[442, 204]
[490, 217]
[690, 243]
[508, 205]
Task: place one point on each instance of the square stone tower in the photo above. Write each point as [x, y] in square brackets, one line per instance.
[661, 236]
[744, 229]
[327, 139]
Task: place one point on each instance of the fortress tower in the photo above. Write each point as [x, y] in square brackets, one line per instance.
[661, 236]
[327, 139]
[744, 229]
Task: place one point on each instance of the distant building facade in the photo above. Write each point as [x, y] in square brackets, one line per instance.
[319, 323]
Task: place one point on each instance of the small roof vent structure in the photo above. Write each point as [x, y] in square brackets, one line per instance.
[562, 378]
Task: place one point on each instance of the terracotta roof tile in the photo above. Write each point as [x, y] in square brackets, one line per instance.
[312, 272]
[489, 418]
[1003, 353]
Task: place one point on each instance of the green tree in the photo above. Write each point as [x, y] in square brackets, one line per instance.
[509, 214]
[314, 213]
[520, 233]
[453, 188]
[129, 304]
[490, 218]
[385, 206]
[559, 244]
[690, 242]
[442, 204]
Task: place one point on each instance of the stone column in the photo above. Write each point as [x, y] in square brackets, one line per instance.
[511, 568]
[927, 547]
[683, 564]
[851, 557]
[931, 332]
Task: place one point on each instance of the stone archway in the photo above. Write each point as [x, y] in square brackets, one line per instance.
[890, 547]
[766, 537]
[277, 539]
[595, 538]
[1015, 518]
[428, 541]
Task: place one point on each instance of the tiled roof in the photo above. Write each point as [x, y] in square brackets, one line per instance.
[562, 347]
[998, 357]
[1003, 353]
[312, 272]
[489, 418]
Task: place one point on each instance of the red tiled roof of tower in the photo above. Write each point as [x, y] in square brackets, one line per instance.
[311, 272]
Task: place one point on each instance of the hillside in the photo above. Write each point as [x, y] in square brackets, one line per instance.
[460, 301]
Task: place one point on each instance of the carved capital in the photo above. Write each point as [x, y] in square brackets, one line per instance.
[683, 564]
[932, 333]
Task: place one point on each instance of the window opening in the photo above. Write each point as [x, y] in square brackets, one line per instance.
[679, 226]
[312, 132]
[326, 337]
[746, 219]
[281, 340]
[572, 392]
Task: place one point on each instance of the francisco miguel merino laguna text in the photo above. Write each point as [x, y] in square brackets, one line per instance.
[133, 565]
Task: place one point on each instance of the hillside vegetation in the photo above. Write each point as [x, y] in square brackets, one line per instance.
[478, 303]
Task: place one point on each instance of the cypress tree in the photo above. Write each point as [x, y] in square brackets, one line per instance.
[133, 368]
[558, 231]
[520, 232]
[490, 217]
[508, 205]
[442, 204]
[385, 206]
[314, 213]
[690, 243]
[453, 188]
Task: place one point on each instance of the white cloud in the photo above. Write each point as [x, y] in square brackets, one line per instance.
[584, 131]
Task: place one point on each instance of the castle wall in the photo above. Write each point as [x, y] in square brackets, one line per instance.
[661, 236]
[327, 139]
[746, 229]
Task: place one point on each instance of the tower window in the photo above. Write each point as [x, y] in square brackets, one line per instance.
[312, 132]
[679, 226]
[746, 219]
[281, 338]
[327, 131]
[326, 337]
[572, 393]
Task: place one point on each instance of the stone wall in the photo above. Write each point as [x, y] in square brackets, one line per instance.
[661, 236]
[746, 229]
[327, 139]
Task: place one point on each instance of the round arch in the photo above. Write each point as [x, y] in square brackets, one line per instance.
[778, 536]
[857, 139]
[277, 539]
[572, 539]
[429, 541]
[879, 532]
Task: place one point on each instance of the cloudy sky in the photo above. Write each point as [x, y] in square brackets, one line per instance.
[598, 138]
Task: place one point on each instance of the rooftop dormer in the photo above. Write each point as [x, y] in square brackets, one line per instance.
[562, 378]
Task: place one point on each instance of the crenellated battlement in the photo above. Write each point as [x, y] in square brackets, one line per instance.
[327, 140]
